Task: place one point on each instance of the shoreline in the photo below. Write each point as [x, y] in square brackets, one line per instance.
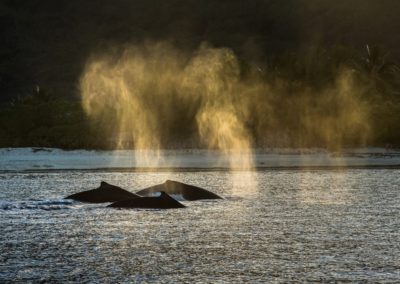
[51, 159]
[210, 169]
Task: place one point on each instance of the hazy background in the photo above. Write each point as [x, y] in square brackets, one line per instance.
[47, 42]
[300, 49]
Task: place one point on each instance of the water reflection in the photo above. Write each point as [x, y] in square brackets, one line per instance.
[321, 188]
[297, 226]
[244, 183]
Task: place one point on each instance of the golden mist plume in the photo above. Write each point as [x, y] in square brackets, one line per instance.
[335, 115]
[131, 91]
[140, 91]
[149, 93]
[215, 75]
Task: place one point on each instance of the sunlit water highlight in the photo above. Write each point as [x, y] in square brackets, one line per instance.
[294, 226]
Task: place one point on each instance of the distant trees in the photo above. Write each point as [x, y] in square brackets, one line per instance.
[42, 119]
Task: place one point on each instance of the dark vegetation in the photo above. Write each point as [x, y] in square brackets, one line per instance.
[304, 43]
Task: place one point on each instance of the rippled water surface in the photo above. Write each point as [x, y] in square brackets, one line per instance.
[274, 226]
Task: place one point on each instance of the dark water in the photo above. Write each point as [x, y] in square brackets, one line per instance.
[294, 226]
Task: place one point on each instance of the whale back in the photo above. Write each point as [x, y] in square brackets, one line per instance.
[187, 191]
[164, 201]
[104, 193]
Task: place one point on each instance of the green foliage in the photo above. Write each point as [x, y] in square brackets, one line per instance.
[44, 120]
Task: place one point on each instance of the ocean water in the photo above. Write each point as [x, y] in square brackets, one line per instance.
[272, 226]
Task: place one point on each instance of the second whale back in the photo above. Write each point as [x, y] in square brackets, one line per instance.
[187, 191]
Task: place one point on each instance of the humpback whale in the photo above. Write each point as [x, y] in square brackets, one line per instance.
[187, 191]
[104, 193]
[164, 201]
